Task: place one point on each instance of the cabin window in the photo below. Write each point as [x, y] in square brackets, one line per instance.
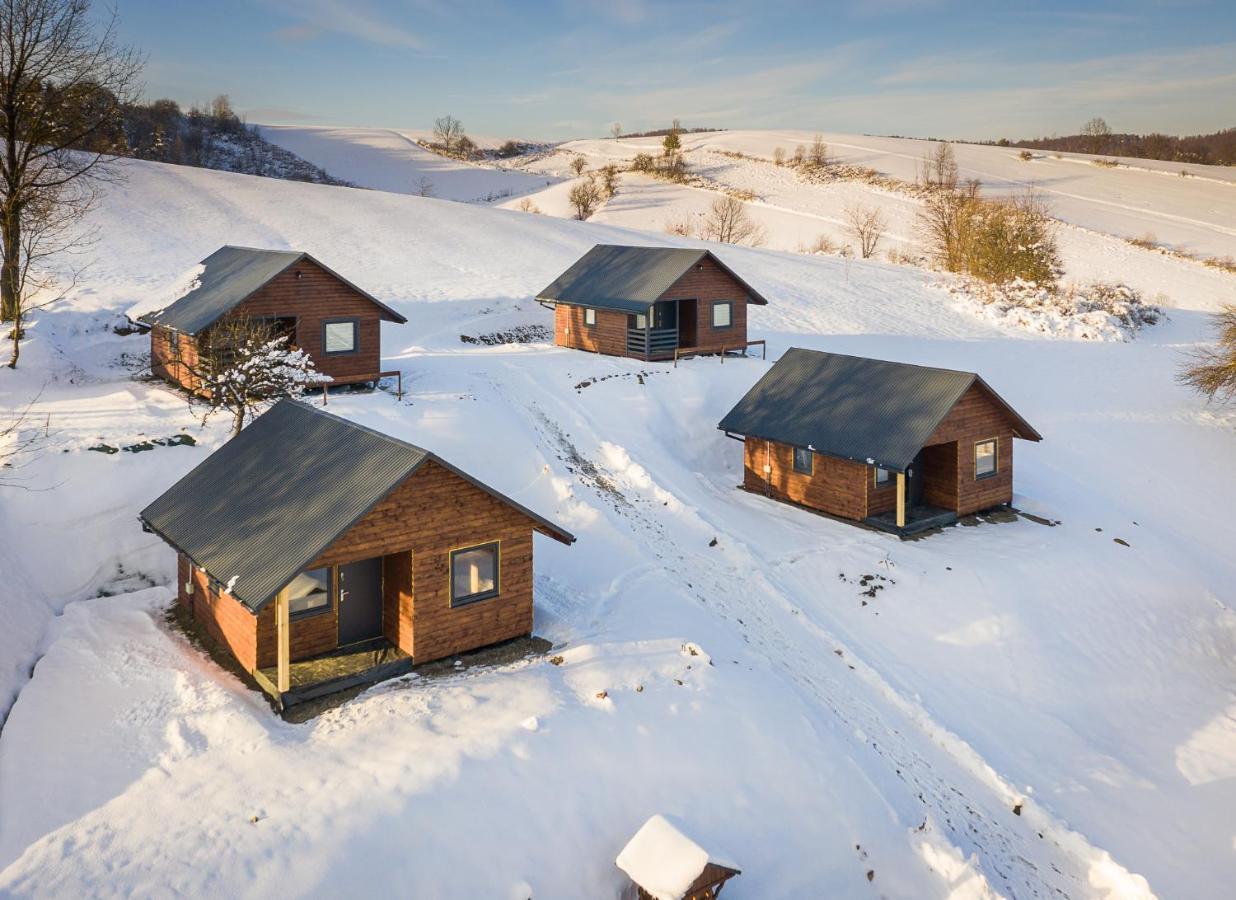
[985, 458]
[340, 336]
[804, 460]
[309, 593]
[474, 573]
[722, 313]
[882, 476]
[638, 320]
[590, 317]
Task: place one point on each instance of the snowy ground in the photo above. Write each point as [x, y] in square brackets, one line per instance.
[816, 733]
[391, 160]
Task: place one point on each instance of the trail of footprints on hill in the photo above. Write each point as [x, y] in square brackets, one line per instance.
[998, 846]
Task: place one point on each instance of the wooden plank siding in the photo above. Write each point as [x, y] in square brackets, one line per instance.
[608, 335]
[847, 489]
[224, 618]
[306, 292]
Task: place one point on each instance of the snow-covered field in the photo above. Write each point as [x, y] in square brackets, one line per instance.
[390, 160]
[1021, 710]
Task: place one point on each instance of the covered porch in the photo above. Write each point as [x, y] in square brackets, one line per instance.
[923, 497]
[657, 334]
[345, 667]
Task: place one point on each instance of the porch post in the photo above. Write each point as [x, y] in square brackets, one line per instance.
[901, 499]
[283, 679]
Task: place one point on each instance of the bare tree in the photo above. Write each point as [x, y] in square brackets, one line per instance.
[728, 221]
[779, 156]
[800, 155]
[447, 130]
[616, 130]
[584, 197]
[64, 83]
[868, 225]
[939, 167]
[244, 364]
[819, 152]
[1212, 370]
[609, 181]
[465, 146]
[578, 164]
[1098, 135]
[21, 438]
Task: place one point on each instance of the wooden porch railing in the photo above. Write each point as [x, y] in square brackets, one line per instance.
[652, 340]
[686, 352]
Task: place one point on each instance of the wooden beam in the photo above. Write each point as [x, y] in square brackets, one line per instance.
[283, 679]
[901, 499]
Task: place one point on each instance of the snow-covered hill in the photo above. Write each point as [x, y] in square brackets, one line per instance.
[1024, 709]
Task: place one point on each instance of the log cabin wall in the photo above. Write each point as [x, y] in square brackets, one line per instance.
[835, 486]
[223, 617]
[608, 335]
[707, 283]
[977, 417]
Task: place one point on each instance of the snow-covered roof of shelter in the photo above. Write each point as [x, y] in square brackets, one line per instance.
[227, 278]
[664, 861]
[854, 407]
[264, 505]
[630, 279]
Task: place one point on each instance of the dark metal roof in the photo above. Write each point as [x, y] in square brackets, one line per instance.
[272, 499]
[231, 276]
[855, 408]
[629, 279]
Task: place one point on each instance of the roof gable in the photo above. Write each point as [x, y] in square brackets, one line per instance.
[232, 275]
[853, 407]
[261, 507]
[630, 279]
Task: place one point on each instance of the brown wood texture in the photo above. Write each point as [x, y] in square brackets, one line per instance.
[225, 619]
[608, 336]
[976, 417]
[707, 283]
[940, 475]
[398, 590]
[835, 486]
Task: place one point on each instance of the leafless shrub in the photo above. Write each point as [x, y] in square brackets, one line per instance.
[1105, 163]
[1211, 371]
[779, 156]
[1025, 156]
[681, 224]
[585, 196]
[819, 152]
[526, 205]
[938, 169]
[1223, 263]
[868, 225]
[901, 257]
[800, 155]
[424, 187]
[727, 221]
[22, 439]
[609, 181]
[822, 244]
[642, 163]
[578, 164]
[1147, 241]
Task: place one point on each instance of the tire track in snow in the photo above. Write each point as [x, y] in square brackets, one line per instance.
[1034, 855]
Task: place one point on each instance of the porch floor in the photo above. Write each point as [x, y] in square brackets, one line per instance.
[364, 663]
[918, 519]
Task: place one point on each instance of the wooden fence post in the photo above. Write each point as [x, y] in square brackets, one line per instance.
[283, 680]
[901, 499]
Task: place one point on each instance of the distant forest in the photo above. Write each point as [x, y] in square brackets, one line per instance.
[1217, 149]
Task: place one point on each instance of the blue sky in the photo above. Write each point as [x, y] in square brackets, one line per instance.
[568, 68]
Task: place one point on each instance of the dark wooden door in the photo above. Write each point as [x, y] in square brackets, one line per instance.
[360, 601]
[914, 482]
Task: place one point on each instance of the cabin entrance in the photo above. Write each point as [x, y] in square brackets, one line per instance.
[360, 601]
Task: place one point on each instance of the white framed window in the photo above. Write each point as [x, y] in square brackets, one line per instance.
[590, 317]
[985, 458]
[309, 593]
[804, 460]
[722, 313]
[340, 336]
[475, 573]
[641, 321]
[882, 476]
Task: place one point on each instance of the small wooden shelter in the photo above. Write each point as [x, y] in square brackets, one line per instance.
[900, 447]
[650, 303]
[309, 537]
[664, 864]
[335, 322]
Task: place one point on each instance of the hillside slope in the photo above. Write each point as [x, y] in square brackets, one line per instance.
[835, 743]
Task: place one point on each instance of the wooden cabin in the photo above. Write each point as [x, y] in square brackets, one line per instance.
[648, 302]
[664, 864]
[900, 447]
[309, 537]
[336, 323]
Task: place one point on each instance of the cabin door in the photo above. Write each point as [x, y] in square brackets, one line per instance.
[914, 482]
[360, 601]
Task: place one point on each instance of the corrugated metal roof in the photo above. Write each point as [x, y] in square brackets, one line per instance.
[853, 407]
[231, 275]
[269, 501]
[629, 279]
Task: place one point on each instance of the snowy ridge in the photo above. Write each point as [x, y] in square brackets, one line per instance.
[920, 711]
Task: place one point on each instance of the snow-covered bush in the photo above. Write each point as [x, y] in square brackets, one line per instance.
[1094, 311]
[245, 365]
[1212, 370]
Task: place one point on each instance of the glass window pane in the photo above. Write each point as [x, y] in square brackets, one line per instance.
[803, 460]
[882, 476]
[641, 321]
[340, 337]
[474, 572]
[590, 316]
[309, 590]
[984, 458]
[721, 315]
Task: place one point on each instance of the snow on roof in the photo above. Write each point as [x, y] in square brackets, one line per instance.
[664, 861]
[167, 294]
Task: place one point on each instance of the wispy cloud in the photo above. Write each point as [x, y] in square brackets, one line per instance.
[351, 18]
